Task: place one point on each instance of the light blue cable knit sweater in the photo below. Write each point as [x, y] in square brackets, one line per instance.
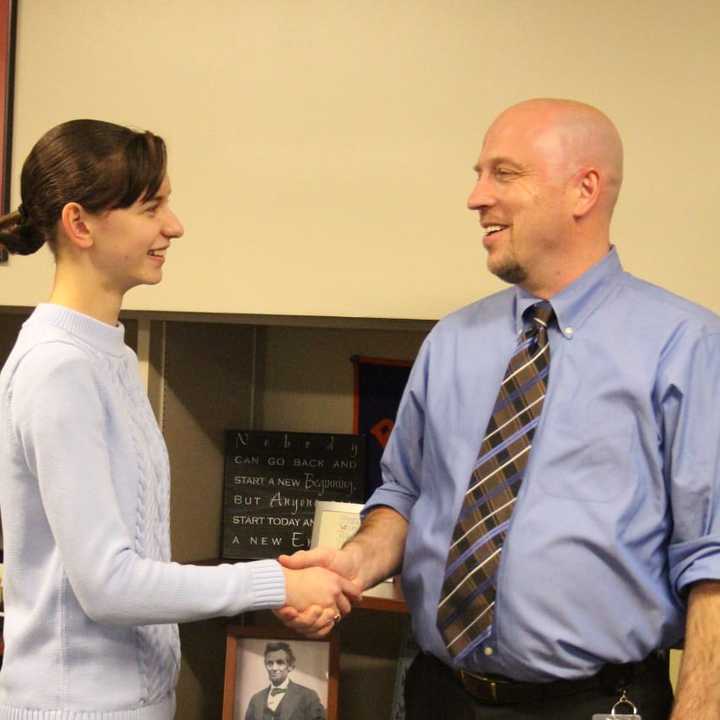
[91, 596]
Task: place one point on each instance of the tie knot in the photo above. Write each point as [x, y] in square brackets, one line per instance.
[277, 691]
[541, 313]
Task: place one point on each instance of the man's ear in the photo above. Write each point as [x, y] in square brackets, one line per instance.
[74, 222]
[587, 192]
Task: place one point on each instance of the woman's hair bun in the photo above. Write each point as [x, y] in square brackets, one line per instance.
[18, 235]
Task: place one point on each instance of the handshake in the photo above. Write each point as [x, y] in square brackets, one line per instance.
[322, 585]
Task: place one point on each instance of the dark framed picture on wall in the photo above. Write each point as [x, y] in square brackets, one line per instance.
[8, 22]
[274, 671]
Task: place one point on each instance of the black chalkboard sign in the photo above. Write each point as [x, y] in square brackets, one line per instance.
[272, 480]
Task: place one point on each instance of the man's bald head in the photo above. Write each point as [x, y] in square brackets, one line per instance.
[548, 178]
[574, 136]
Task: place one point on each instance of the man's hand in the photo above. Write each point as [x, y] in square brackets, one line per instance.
[315, 617]
[374, 553]
[343, 562]
[316, 598]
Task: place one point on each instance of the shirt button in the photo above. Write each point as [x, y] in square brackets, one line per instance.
[488, 650]
[568, 331]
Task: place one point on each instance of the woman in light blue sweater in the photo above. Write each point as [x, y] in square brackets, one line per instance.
[91, 596]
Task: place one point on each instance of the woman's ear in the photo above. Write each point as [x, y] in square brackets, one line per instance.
[74, 223]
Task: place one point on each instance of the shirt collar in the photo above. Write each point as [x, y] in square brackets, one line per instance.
[282, 685]
[577, 301]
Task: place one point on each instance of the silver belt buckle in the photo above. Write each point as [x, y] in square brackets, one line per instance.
[488, 681]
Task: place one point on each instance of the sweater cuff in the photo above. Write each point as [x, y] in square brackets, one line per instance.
[267, 584]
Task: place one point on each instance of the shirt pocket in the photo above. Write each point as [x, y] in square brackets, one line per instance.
[590, 461]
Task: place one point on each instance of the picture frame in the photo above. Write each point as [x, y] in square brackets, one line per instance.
[8, 24]
[313, 675]
[334, 523]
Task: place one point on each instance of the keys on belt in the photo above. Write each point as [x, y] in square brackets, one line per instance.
[624, 700]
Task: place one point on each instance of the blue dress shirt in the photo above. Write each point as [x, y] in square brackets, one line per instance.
[618, 511]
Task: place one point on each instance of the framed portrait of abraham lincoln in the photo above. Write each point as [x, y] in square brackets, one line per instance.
[272, 672]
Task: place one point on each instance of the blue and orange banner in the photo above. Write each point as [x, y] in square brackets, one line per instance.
[379, 385]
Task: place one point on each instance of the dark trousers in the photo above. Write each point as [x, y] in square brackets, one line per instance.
[432, 692]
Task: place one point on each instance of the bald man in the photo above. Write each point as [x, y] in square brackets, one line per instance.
[556, 538]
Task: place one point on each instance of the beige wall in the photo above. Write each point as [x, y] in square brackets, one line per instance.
[321, 150]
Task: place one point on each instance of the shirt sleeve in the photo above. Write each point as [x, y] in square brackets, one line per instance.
[691, 450]
[402, 459]
[61, 425]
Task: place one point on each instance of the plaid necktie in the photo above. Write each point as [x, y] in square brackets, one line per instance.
[465, 612]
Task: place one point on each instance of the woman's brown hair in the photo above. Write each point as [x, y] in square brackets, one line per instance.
[99, 165]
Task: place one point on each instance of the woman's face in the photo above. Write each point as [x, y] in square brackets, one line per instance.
[129, 244]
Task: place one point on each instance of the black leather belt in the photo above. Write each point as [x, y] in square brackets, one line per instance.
[499, 690]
